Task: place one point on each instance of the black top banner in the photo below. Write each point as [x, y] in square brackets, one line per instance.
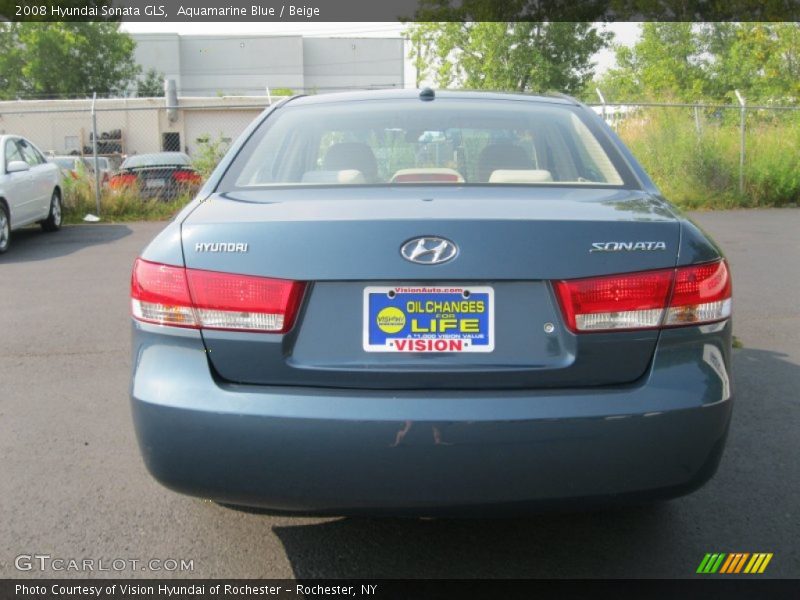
[399, 10]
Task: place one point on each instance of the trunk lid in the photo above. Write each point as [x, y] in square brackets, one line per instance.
[513, 240]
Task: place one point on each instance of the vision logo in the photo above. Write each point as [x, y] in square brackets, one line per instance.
[736, 562]
[391, 320]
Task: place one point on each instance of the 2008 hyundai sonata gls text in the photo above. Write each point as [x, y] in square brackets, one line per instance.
[430, 304]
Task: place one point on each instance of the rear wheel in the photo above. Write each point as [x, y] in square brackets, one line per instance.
[5, 229]
[53, 220]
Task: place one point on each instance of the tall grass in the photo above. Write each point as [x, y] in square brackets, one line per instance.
[699, 167]
[123, 205]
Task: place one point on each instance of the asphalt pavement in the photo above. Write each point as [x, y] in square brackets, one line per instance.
[73, 485]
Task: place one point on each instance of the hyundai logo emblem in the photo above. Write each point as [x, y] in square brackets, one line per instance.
[429, 250]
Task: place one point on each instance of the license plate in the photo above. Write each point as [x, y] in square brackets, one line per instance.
[428, 319]
[156, 183]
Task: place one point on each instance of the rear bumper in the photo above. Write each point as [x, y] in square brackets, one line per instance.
[427, 453]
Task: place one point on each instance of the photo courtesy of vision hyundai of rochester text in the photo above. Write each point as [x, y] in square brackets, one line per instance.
[431, 303]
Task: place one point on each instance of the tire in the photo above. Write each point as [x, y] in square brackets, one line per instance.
[54, 218]
[5, 229]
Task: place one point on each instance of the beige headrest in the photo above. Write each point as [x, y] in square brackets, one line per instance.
[345, 176]
[520, 176]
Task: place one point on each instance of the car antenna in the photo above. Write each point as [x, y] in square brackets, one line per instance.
[426, 94]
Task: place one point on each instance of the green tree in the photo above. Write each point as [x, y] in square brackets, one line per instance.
[694, 61]
[517, 56]
[49, 60]
[151, 84]
[762, 60]
[667, 61]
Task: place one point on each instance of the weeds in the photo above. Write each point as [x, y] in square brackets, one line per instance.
[209, 152]
[699, 169]
[123, 205]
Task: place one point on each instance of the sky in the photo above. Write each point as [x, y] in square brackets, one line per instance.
[625, 33]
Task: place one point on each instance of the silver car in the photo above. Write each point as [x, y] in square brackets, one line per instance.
[73, 166]
[30, 189]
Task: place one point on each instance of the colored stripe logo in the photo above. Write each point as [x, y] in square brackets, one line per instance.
[735, 562]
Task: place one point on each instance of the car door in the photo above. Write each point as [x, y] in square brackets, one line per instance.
[19, 187]
[41, 178]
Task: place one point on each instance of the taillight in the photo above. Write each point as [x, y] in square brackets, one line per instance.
[187, 177]
[181, 297]
[160, 294]
[647, 300]
[632, 301]
[225, 301]
[702, 294]
[122, 180]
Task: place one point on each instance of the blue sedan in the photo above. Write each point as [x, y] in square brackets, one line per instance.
[435, 303]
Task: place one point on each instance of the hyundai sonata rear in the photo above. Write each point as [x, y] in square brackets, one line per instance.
[425, 304]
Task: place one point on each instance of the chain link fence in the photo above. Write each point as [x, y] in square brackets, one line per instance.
[91, 138]
[121, 127]
[701, 155]
[708, 155]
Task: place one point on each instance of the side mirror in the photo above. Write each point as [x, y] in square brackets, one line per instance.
[17, 166]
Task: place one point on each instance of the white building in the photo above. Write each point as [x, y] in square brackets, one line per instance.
[215, 65]
[221, 83]
[129, 125]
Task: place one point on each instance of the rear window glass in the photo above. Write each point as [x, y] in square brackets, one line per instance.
[447, 141]
[156, 160]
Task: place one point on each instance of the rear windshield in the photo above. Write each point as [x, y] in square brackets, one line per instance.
[446, 141]
[156, 160]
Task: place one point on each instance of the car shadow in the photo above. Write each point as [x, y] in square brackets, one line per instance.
[549, 545]
[667, 539]
[31, 244]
